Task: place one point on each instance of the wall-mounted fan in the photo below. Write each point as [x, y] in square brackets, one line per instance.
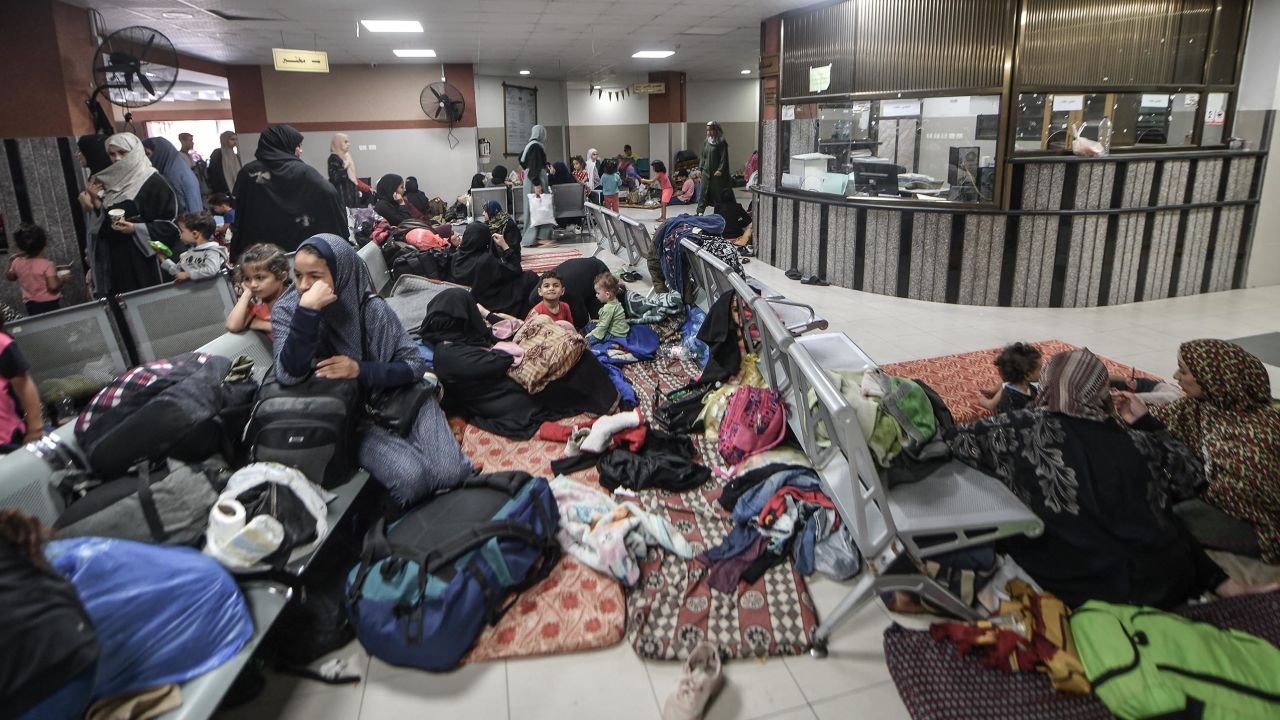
[132, 68]
[443, 102]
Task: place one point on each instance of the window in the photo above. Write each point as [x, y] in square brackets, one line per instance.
[935, 148]
[1138, 120]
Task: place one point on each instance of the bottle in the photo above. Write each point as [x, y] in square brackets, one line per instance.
[1104, 134]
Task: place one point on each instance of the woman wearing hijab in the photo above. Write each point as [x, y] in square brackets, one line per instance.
[1227, 418]
[536, 179]
[490, 265]
[224, 165]
[413, 196]
[166, 158]
[715, 166]
[498, 176]
[475, 376]
[1104, 491]
[500, 223]
[342, 171]
[282, 200]
[593, 168]
[561, 174]
[123, 249]
[390, 202]
[737, 223]
[330, 325]
[93, 157]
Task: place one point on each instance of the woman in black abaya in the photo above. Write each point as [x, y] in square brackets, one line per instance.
[475, 377]
[390, 203]
[282, 200]
[490, 266]
[123, 249]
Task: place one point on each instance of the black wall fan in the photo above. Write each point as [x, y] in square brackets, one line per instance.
[443, 102]
[133, 67]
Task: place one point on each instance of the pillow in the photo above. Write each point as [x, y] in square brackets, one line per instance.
[550, 351]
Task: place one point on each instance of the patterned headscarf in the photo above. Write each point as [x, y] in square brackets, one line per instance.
[1076, 383]
[1237, 433]
[497, 216]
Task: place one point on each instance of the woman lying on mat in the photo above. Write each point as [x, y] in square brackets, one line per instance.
[1225, 415]
[475, 379]
[1103, 489]
[489, 264]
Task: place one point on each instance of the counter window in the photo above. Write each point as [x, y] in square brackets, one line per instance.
[1140, 120]
[940, 148]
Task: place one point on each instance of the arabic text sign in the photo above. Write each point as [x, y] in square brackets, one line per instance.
[301, 60]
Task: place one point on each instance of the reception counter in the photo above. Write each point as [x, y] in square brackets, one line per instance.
[1077, 232]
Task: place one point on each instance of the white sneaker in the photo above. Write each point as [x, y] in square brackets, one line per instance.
[701, 679]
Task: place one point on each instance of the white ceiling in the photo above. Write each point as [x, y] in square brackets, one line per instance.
[572, 39]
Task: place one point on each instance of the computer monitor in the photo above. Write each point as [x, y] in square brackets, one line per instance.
[876, 178]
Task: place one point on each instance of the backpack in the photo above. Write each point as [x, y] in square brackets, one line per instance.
[755, 421]
[182, 407]
[680, 411]
[421, 263]
[1144, 662]
[310, 426]
[426, 586]
[167, 502]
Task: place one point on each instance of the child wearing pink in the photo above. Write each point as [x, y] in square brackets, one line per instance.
[35, 274]
[664, 183]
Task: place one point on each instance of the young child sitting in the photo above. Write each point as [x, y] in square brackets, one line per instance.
[551, 289]
[263, 274]
[37, 276]
[1019, 366]
[613, 318]
[206, 259]
[21, 420]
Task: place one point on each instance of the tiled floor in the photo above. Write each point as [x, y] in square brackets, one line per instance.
[853, 680]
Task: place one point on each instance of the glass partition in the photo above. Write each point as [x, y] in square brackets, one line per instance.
[1049, 121]
[938, 148]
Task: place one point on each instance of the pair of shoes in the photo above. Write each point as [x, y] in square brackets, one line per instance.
[793, 274]
[631, 276]
[747, 250]
[813, 280]
[701, 679]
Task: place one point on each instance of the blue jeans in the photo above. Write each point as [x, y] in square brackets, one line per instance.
[67, 703]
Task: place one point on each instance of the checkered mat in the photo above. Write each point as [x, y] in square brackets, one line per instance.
[672, 607]
[938, 684]
[957, 378]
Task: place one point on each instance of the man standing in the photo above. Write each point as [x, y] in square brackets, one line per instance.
[186, 147]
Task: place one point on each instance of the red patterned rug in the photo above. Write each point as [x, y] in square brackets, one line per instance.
[672, 607]
[957, 378]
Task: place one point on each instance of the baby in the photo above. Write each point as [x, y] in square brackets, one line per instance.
[613, 318]
[1019, 366]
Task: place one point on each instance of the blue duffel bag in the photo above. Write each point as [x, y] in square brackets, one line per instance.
[426, 586]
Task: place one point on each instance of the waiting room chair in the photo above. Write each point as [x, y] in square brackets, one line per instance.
[568, 202]
[250, 343]
[614, 240]
[597, 226]
[481, 196]
[78, 340]
[379, 274]
[174, 318]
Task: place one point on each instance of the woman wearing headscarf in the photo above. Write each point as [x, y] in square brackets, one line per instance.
[166, 158]
[224, 164]
[93, 157]
[123, 251]
[330, 325]
[737, 222]
[497, 176]
[414, 196]
[561, 174]
[282, 200]
[500, 223]
[490, 266]
[715, 166]
[342, 171]
[475, 378]
[390, 202]
[1226, 417]
[1103, 490]
[593, 168]
[536, 179]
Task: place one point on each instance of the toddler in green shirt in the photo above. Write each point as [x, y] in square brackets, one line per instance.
[613, 319]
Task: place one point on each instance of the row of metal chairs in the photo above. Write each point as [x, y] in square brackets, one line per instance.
[954, 508]
[567, 201]
[618, 234]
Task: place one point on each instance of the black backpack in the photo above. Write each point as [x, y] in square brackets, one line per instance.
[310, 426]
[182, 407]
[680, 410]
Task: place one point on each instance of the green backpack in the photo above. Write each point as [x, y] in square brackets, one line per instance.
[1144, 662]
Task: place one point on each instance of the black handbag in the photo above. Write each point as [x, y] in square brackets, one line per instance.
[679, 411]
[395, 409]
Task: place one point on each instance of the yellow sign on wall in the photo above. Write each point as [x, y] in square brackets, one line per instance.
[301, 60]
[654, 88]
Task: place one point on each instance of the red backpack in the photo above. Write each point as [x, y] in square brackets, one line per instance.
[755, 421]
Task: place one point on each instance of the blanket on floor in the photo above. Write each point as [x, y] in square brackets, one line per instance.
[673, 607]
[936, 683]
[544, 261]
[957, 378]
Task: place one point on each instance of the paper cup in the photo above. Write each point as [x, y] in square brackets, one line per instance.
[116, 215]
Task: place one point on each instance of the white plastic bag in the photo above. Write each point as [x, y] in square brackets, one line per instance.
[541, 211]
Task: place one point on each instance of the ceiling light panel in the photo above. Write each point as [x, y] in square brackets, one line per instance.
[401, 26]
[654, 54]
[415, 53]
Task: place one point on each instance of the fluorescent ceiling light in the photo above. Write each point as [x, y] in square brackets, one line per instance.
[707, 31]
[176, 15]
[415, 52]
[524, 72]
[595, 87]
[746, 72]
[392, 25]
[654, 54]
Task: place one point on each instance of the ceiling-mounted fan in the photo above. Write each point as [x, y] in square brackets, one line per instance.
[133, 67]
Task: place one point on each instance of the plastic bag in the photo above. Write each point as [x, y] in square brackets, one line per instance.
[541, 211]
[696, 349]
[164, 614]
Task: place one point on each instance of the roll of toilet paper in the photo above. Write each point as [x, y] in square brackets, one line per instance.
[225, 520]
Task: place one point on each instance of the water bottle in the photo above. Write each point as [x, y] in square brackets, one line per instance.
[1104, 134]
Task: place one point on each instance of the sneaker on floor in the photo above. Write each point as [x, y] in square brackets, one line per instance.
[699, 681]
[747, 250]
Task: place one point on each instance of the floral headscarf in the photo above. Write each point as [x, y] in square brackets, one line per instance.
[1237, 433]
[498, 217]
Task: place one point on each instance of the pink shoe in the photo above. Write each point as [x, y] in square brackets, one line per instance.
[700, 680]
